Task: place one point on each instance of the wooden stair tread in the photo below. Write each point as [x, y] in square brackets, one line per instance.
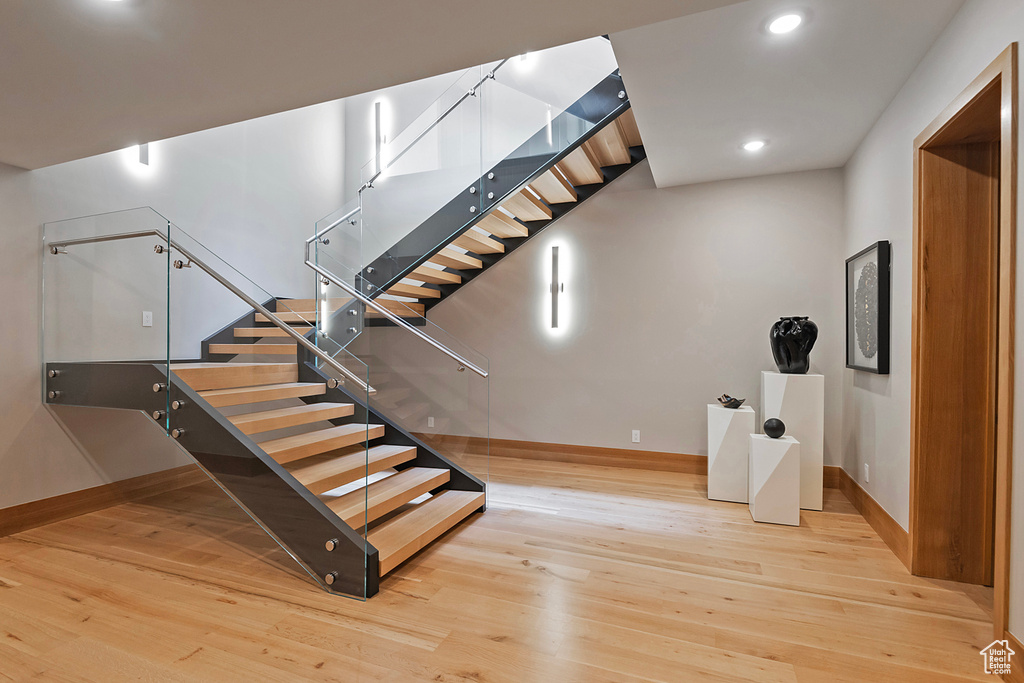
[434, 276]
[267, 420]
[372, 502]
[581, 167]
[271, 331]
[524, 206]
[205, 376]
[307, 318]
[289, 448]
[403, 309]
[609, 145]
[478, 243]
[333, 304]
[399, 538]
[449, 258]
[630, 129]
[502, 225]
[221, 398]
[252, 349]
[414, 291]
[553, 188]
[324, 475]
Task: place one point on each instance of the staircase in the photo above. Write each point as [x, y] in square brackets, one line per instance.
[345, 424]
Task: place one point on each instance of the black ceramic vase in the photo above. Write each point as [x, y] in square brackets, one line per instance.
[792, 340]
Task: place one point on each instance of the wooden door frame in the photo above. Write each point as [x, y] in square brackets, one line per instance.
[1005, 69]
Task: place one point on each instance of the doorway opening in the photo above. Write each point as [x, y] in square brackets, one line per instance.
[962, 352]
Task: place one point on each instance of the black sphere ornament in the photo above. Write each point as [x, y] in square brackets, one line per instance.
[774, 427]
[792, 339]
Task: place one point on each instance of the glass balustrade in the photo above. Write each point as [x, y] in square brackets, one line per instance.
[139, 315]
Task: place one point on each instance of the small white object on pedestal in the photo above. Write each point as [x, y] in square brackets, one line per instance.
[729, 430]
[774, 492]
[799, 401]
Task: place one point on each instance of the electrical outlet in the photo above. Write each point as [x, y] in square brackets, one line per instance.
[430, 422]
[867, 473]
[147, 318]
[636, 436]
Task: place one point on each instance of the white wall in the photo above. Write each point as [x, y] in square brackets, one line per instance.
[249, 191]
[669, 298]
[879, 200]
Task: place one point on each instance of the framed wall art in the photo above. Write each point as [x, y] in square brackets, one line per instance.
[868, 285]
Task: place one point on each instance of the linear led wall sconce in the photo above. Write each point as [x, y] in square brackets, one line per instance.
[556, 287]
[144, 154]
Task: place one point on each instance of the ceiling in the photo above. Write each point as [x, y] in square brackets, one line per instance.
[83, 77]
[703, 85]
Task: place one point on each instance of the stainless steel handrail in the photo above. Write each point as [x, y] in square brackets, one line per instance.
[55, 248]
[463, 363]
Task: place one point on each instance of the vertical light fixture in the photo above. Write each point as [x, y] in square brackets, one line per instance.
[377, 139]
[548, 127]
[556, 287]
[144, 154]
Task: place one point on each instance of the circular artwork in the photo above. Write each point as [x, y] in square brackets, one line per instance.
[865, 314]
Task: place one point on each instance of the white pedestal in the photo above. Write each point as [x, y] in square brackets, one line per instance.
[799, 401]
[728, 432]
[774, 491]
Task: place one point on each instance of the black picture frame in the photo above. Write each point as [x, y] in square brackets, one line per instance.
[863, 352]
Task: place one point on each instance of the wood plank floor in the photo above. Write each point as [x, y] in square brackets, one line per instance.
[575, 573]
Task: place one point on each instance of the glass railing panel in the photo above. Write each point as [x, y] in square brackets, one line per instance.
[429, 184]
[107, 271]
[428, 395]
[422, 378]
[209, 296]
[431, 175]
[340, 234]
[105, 294]
[528, 105]
[403, 308]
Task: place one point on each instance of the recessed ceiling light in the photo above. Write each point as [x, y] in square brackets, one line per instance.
[754, 145]
[785, 24]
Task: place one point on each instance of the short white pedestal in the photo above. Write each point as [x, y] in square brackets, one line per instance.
[799, 401]
[728, 433]
[774, 492]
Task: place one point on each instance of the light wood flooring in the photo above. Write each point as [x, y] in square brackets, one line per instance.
[575, 573]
